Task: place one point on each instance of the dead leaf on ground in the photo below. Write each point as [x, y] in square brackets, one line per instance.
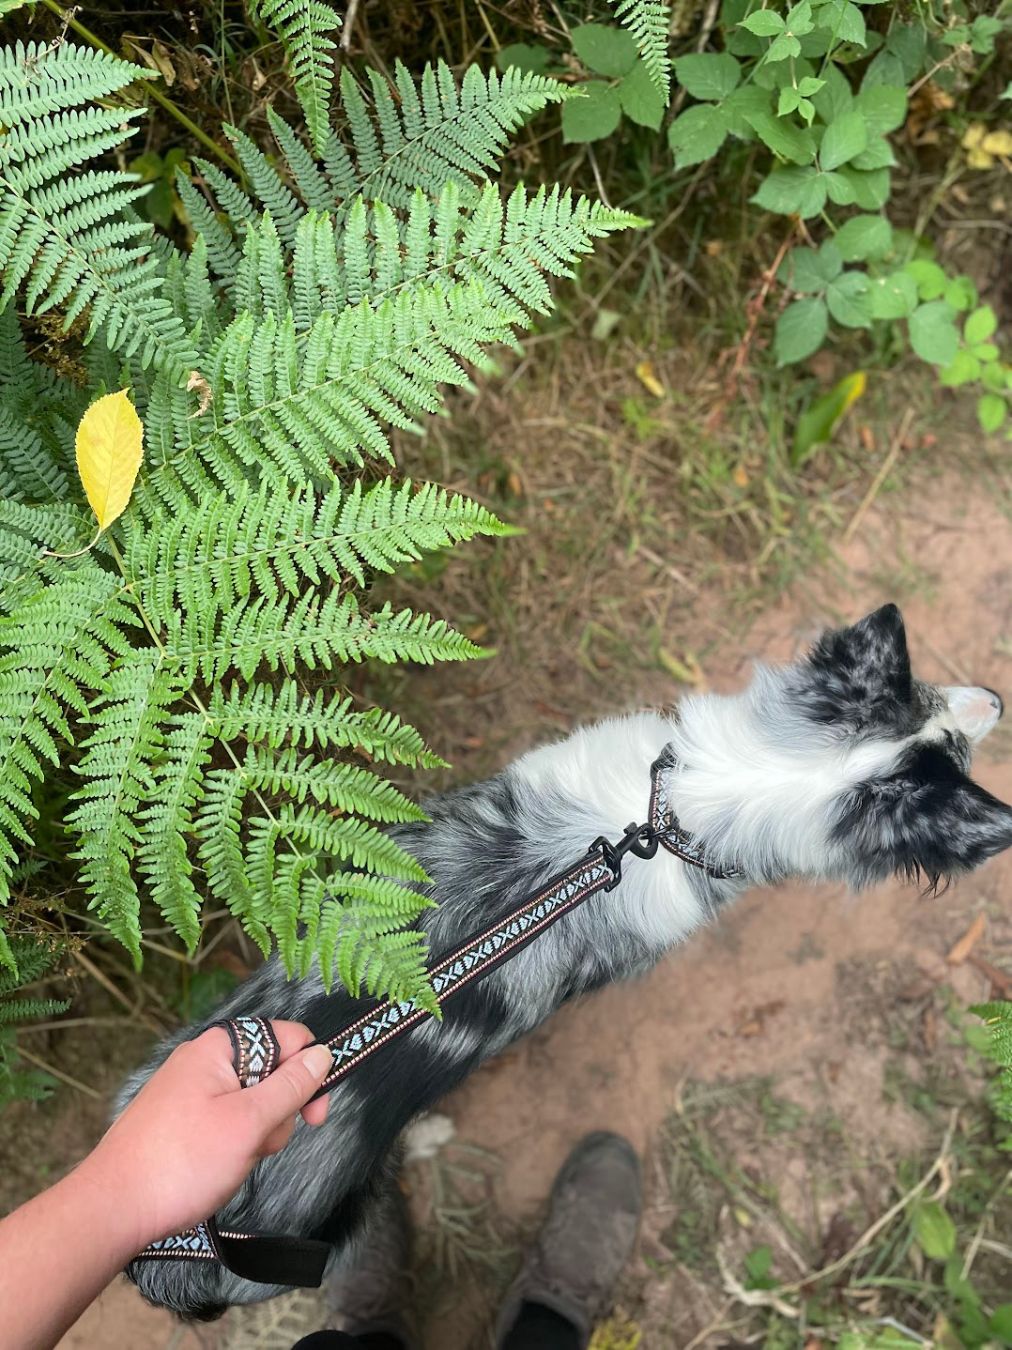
[962, 949]
[647, 377]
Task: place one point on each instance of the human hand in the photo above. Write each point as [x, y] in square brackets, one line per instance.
[188, 1140]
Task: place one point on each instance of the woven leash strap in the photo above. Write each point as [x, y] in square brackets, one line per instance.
[278, 1259]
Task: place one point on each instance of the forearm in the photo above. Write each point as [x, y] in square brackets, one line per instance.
[59, 1251]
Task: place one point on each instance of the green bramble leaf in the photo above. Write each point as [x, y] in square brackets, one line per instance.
[933, 333]
[864, 237]
[809, 271]
[800, 331]
[933, 1230]
[782, 48]
[844, 138]
[792, 191]
[763, 23]
[980, 325]
[892, 297]
[849, 300]
[783, 138]
[991, 410]
[883, 107]
[708, 75]
[524, 56]
[592, 117]
[642, 102]
[844, 20]
[604, 50]
[697, 134]
[965, 368]
[799, 19]
[809, 85]
[879, 155]
[870, 188]
[960, 293]
[930, 278]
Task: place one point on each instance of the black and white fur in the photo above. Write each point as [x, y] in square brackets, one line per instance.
[839, 767]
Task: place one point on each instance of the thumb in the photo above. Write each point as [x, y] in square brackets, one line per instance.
[289, 1087]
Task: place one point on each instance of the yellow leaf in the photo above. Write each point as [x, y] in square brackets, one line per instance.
[997, 143]
[647, 377]
[109, 449]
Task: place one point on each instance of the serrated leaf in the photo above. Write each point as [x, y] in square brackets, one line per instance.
[810, 270]
[783, 138]
[642, 102]
[708, 75]
[980, 325]
[593, 116]
[991, 410]
[525, 56]
[800, 330]
[934, 1231]
[109, 447]
[930, 278]
[793, 191]
[883, 107]
[965, 368]
[871, 187]
[864, 237]
[697, 134]
[893, 297]
[604, 49]
[763, 23]
[844, 138]
[849, 301]
[933, 333]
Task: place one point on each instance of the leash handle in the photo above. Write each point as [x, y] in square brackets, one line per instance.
[266, 1258]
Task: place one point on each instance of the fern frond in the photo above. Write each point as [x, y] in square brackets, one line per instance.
[299, 403]
[303, 27]
[68, 234]
[649, 22]
[422, 135]
[126, 740]
[417, 136]
[265, 541]
[56, 648]
[168, 820]
[314, 630]
[41, 77]
[347, 787]
[260, 713]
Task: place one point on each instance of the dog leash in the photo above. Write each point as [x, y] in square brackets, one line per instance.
[272, 1258]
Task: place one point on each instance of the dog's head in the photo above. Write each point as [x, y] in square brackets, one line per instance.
[854, 769]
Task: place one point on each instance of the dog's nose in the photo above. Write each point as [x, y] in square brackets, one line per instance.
[997, 699]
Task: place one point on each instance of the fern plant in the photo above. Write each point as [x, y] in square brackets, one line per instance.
[997, 1017]
[166, 670]
[35, 957]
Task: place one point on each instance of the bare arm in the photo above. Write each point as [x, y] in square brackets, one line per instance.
[182, 1147]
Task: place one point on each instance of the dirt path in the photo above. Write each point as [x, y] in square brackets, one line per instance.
[800, 985]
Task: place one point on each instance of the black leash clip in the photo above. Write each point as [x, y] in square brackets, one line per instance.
[641, 840]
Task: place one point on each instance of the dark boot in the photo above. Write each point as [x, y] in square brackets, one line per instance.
[368, 1291]
[571, 1270]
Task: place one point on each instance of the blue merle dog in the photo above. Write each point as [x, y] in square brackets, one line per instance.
[839, 767]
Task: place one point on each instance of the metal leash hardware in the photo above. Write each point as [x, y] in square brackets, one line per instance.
[279, 1259]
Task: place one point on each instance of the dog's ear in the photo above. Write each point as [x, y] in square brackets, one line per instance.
[926, 819]
[860, 676]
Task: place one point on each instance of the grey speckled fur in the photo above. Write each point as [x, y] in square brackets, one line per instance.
[838, 767]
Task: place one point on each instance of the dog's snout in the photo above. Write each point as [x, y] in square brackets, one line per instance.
[997, 699]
